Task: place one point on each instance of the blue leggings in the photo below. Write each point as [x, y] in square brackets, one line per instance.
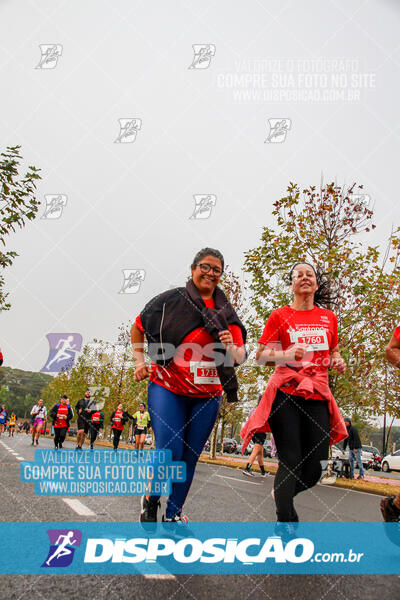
[181, 424]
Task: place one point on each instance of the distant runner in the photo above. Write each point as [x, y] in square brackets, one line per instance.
[118, 419]
[61, 414]
[3, 418]
[39, 416]
[96, 423]
[11, 425]
[141, 419]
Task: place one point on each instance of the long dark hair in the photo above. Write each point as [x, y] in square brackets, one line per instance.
[324, 297]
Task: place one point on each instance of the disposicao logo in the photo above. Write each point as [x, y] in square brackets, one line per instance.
[62, 547]
[191, 550]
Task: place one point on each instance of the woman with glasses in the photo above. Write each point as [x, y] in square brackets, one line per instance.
[195, 339]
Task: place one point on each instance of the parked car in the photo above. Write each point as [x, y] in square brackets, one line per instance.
[391, 462]
[267, 452]
[207, 446]
[337, 453]
[366, 457]
[372, 449]
[229, 445]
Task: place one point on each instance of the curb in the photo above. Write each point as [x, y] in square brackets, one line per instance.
[370, 487]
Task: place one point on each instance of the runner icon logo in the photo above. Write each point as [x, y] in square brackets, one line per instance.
[50, 55]
[203, 205]
[63, 347]
[278, 129]
[54, 206]
[63, 543]
[132, 280]
[203, 54]
[128, 129]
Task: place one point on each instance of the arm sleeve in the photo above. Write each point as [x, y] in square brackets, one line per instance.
[346, 441]
[270, 336]
[236, 334]
[33, 409]
[138, 322]
[335, 339]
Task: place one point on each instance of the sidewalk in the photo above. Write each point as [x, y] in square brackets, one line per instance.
[370, 483]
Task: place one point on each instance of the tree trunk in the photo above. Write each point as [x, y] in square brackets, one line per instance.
[222, 433]
[213, 444]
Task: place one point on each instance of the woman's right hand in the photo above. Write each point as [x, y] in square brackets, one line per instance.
[296, 352]
[141, 372]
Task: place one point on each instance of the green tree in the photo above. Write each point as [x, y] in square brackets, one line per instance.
[18, 204]
[326, 227]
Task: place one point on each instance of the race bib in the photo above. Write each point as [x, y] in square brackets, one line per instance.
[96, 419]
[140, 427]
[315, 339]
[204, 372]
[62, 416]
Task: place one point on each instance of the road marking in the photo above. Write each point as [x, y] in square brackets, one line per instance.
[160, 576]
[236, 479]
[79, 507]
[19, 458]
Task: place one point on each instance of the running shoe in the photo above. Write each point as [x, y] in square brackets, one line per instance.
[60, 446]
[248, 472]
[37, 442]
[360, 477]
[33, 443]
[177, 526]
[176, 519]
[285, 530]
[389, 511]
[148, 513]
[264, 473]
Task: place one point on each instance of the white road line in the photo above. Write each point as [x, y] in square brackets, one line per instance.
[239, 480]
[19, 458]
[160, 576]
[79, 507]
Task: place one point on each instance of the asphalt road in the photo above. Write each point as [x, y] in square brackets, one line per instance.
[217, 494]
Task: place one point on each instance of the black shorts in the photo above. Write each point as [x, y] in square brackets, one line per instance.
[140, 431]
[259, 438]
[83, 424]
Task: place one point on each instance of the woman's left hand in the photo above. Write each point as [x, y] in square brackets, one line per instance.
[338, 364]
[226, 338]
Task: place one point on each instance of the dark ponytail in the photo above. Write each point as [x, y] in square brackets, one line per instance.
[324, 297]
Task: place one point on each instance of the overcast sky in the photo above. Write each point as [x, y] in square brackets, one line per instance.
[74, 73]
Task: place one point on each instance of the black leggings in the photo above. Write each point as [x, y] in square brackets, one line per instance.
[94, 430]
[117, 435]
[60, 433]
[301, 431]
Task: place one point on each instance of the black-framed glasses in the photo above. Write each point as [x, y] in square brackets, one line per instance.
[206, 268]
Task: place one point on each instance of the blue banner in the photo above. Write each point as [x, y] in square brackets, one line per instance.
[199, 548]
